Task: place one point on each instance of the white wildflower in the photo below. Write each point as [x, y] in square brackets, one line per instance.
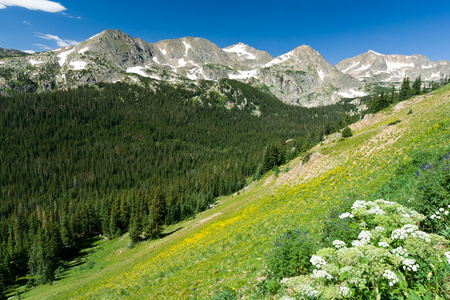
[393, 279]
[383, 244]
[400, 252]
[446, 212]
[313, 294]
[365, 236]
[404, 232]
[361, 204]
[432, 217]
[376, 210]
[322, 274]
[421, 235]
[359, 243]
[346, 215]
[380, 229]
[317, 261]
[410, 264]
[338, 244]
[344, 291]
[447, 256]
[441, 209]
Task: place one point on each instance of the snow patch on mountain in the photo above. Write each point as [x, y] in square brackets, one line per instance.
[35, 62]
[240, 50]
[63, 57]
[392, 66]
[83, 50]
[321, 74]
[280, 59]
[352, 94]
[376, 53]
[187, 48]
[243, 74]
[78, 65]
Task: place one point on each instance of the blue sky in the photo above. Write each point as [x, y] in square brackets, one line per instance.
[337, 29]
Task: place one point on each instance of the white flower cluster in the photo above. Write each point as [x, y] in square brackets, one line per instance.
[365, 236]
[344, 291]
[437, 214]
[376, 210]
[410, 265]
[447, 256]
[359, 243]
[317, 261]
[393, 279]
[313, 294]
[346, 215]
[400, 252]
[409, 230]
[380, 229]
[338, 244]
[322, 274]
[383, 244]
[359, 204]
[367, 208]
[403, 212]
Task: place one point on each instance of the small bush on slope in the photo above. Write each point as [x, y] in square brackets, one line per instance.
[390, 258]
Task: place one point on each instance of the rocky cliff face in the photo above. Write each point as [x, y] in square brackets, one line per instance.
[299, 77]
[375, 68]
[302, 76]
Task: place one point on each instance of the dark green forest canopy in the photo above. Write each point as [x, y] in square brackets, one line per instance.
[87, 159]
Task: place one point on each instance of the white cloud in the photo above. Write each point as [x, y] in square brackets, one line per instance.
[28, 23]
[29, 51]
[44, 5]
[61, 42]
[43, 46]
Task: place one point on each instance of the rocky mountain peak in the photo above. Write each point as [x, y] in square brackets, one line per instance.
[378, 69]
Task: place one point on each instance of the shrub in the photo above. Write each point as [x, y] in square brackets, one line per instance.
[291, 252]
[347, 132]
[336, 228]
[391, 258]
[394, 122]
[433, 192]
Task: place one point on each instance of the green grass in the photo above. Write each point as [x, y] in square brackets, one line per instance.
[228, 249]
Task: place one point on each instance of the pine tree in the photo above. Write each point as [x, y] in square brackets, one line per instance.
[417, 86]
[156, 217]
[405, 90]
[135, 229]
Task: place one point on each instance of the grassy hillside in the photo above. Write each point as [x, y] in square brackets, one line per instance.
[225, 246]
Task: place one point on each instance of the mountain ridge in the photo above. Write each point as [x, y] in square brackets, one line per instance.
[376, 68]
[112, 56]
[299, 77]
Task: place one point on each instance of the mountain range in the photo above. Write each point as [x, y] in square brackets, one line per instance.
[375, 68]
[299, 77]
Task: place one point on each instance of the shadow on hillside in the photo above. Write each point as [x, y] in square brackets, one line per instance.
[163, 235]
[78, 255]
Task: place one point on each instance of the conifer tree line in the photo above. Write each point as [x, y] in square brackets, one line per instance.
[407, 90]
[116, 158]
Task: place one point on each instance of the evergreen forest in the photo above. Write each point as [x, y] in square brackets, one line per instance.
[113, 158]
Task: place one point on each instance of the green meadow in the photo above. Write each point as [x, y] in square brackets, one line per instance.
[224, 247]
